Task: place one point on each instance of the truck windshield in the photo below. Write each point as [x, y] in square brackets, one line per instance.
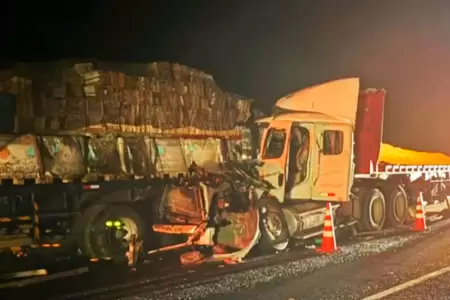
[274, 144]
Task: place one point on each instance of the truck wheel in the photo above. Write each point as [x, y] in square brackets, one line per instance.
[397, 206]
[96, 239]
[273, 227]
[373, 211]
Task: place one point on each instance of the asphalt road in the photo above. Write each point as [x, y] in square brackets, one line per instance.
[416, 266]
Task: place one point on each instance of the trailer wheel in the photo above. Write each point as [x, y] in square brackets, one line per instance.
[97, 240]
[273, 226]
[397, 206]
[373, 210]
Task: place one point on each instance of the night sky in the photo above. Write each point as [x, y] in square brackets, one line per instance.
[263, 49]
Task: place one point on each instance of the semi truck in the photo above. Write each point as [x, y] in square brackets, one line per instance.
[87, 150]
[325, 144]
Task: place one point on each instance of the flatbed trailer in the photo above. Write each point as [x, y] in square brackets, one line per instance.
[87, 174]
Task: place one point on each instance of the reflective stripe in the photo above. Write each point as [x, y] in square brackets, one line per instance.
[328, 223]
[419, 216]
[328, 234]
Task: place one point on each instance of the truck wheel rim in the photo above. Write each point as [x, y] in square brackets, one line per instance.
[131, 228]
[399, 206]
[273, 223]
[377, 210]
[116, 240]
[120, 241]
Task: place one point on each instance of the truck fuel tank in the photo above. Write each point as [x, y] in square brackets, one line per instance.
[305, 220]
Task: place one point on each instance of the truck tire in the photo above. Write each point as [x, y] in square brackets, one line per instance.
[396, 206]
[273, 226]
[94, 240]
[373, 210]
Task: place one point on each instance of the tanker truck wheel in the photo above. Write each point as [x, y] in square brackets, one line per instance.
[373, 210]
[273, 227]
[397, 206]
[104, 231]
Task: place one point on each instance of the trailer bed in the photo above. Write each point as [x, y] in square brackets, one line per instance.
[415, 164]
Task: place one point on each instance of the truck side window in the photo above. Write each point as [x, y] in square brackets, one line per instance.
[274, 143]
[333, 142]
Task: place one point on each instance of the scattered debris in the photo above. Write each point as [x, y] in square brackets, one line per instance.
[192, 258]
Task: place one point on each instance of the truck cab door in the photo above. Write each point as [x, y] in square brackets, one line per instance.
[334, 166]
[274, 153]
[302, 155]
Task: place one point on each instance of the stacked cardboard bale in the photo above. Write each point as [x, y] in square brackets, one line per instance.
[157, 99]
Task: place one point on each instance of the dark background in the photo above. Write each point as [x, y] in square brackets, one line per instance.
[262, 49]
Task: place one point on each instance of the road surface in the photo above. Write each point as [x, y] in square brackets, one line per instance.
[416, 266]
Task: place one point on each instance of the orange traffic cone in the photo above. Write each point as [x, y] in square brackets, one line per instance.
[420, 224]
[328, 239]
